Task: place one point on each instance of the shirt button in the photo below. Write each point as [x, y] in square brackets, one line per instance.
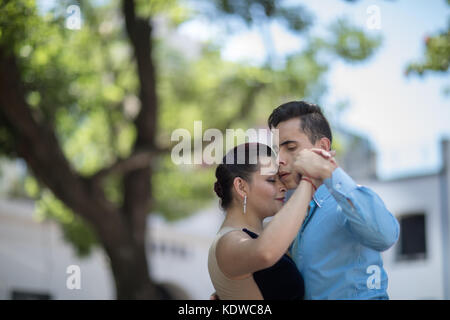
[338, 185]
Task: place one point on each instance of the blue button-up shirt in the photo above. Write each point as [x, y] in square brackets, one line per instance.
[338, 247]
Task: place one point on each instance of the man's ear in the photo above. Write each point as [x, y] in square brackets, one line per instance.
[323, 143]
[240, 186]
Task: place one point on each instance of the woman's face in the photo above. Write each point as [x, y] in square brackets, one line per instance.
[266, 191]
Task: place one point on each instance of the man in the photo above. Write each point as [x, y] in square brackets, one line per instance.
[338, 247]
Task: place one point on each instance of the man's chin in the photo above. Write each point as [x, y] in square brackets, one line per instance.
[291, 184]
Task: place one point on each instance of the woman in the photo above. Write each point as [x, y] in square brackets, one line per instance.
[247, 261]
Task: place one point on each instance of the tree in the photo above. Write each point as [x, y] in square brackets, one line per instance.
[91, 112]
[436, 57]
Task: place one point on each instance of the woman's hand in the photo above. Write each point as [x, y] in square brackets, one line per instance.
[317, 164]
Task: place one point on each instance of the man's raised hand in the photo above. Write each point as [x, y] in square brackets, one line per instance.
[315, 163]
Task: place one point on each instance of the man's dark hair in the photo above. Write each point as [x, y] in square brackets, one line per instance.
[313, 122]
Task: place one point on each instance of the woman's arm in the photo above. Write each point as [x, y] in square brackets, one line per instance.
[238, 254]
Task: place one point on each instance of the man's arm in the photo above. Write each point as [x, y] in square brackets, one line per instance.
[365, 213]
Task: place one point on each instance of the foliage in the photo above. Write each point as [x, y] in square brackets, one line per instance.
[436, 58]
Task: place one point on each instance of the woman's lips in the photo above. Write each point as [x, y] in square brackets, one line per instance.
[280, 199]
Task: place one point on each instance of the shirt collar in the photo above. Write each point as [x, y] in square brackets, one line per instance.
[321, 195]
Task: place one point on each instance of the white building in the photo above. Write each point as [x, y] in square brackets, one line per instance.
[418, 265]
[34, 259]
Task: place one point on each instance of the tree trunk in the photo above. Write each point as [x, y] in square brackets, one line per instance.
[121, 231]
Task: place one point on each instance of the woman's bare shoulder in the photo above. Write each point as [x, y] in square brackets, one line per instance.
[233, 237]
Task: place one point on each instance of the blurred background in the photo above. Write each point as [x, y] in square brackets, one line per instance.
[92, 205]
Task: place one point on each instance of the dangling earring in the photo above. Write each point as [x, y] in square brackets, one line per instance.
[245, 203]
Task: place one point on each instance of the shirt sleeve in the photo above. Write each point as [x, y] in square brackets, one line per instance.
[365, 214]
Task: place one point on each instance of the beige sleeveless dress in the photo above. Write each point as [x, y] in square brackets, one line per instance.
[226, 288]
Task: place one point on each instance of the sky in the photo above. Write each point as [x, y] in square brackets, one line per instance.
[404, 117]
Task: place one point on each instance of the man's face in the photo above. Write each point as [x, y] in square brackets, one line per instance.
[292, 140]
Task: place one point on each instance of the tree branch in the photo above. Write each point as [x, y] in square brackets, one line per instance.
[139, 32]
[136, 161]
[136, 182]
[246, 106]
[37, 143]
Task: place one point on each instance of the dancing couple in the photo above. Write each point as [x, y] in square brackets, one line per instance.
[326, 234]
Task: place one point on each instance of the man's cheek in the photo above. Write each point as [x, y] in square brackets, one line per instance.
[293, 181]
[297, 177]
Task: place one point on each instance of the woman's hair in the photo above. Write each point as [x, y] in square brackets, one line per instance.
[241, 161]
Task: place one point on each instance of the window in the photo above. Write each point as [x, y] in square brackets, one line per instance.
[412, 242]
[171, 249]
[29, 295]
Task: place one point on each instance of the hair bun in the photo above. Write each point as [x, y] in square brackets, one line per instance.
[218, 189]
